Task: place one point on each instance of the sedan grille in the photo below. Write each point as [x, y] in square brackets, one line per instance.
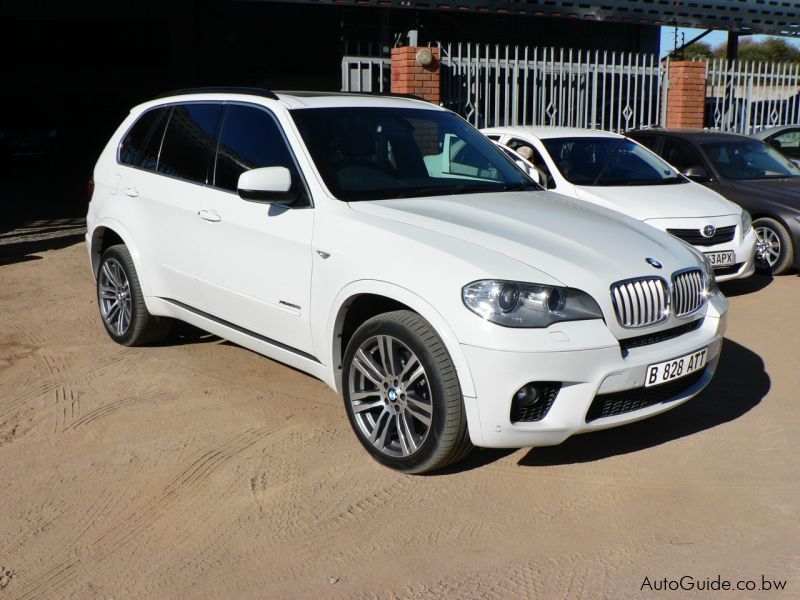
[696, 238]
[640, 302]
[687, 292]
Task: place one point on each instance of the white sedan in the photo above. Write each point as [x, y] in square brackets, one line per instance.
[616, 172]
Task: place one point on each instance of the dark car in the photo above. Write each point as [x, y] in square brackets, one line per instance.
[746, 171]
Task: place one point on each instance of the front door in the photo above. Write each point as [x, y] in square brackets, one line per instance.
[254, 259]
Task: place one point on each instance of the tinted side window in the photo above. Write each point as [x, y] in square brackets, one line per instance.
[527, 151]
[140, 146]
[250, 139]
[787, 142]
[188, 141]
[681, 154]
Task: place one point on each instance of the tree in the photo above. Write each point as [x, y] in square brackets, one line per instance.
[769, 50]
[698, 51]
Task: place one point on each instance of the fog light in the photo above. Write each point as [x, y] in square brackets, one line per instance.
[533, 400]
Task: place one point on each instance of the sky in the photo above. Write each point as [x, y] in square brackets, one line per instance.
[715, 38]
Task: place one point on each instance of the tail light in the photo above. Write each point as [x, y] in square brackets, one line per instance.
[90, 189]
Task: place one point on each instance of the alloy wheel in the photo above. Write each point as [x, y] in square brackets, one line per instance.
[768, 247]
[390, 396]
[115, 296]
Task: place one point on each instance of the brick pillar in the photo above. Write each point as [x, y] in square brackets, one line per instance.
[410, 77]
[686, 98]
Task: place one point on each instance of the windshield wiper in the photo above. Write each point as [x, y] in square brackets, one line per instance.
[518, 187]
[446, 191]
[665, 181]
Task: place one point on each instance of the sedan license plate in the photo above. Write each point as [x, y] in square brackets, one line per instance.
[675, 369]
[721, 259]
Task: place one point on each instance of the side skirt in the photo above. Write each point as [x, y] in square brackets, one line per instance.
[248, 339]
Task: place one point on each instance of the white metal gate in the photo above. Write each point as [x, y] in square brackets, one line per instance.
[746, 97]
[366, 74]
[493, 85]
[504, 85]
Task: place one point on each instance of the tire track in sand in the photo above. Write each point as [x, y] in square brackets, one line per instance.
[87, 371]
[139, 519]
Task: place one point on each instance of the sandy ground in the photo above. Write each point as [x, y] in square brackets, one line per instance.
[198, 469]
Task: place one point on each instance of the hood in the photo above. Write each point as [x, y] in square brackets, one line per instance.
[685, 200]
[575, 243]
[784, 192]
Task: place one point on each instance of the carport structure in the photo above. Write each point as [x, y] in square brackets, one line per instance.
[576, 84]
[774, 17]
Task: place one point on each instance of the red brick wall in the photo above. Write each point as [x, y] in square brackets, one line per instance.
[686, 96]
[409, 77]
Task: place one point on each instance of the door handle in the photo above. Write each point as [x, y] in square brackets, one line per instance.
[209, 215]
[131, 191]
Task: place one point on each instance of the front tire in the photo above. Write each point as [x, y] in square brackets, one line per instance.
[121, 303]
[402, 396]
[774, 247]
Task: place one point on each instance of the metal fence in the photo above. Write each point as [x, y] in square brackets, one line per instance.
[504, 85]
[366, 74]
[492, 85]
[746, 97]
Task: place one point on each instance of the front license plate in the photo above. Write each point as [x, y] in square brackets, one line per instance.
[721, 259]
[676, 368]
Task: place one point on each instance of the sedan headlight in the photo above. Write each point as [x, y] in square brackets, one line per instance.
[517, 304]
[747, 222]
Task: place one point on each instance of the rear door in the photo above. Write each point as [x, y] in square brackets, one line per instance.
[255, 259]
[166, 182]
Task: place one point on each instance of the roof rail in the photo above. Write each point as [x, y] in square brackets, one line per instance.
[312, 93]
[251, 91]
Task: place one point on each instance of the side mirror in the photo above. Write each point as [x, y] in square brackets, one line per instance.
[698, 174]
[775, 144]
[270, 185]
[531, 172]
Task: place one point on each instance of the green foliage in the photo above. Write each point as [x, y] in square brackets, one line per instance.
[698, 51]
[770, 50]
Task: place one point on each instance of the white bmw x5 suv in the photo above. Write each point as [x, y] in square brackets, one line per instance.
[386, 247]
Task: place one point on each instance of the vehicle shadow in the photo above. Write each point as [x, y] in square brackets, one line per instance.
[19, 244]
[738, 385]
[182, 334]
[740, 287]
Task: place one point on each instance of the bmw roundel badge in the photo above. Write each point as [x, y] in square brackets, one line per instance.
[653, 263]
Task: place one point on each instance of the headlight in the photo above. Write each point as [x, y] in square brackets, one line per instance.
[709, 278]
[517, 304]
[747, 222]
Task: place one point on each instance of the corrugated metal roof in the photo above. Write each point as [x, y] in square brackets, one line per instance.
[775, 17]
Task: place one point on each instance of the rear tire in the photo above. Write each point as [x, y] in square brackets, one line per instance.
[121, 303]
[402, 395]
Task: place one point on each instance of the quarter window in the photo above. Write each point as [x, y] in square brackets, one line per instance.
[188, 141]
[250, 139]
[140, 146]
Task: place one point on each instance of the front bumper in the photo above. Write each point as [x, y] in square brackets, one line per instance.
[583, 374]
[745, 250]
[743, 246]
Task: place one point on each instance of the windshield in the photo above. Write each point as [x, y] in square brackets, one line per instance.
[609, 161]
[749, 159]
[380, 153]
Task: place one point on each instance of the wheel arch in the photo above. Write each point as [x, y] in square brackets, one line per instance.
[109, 232]
[367, 298]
